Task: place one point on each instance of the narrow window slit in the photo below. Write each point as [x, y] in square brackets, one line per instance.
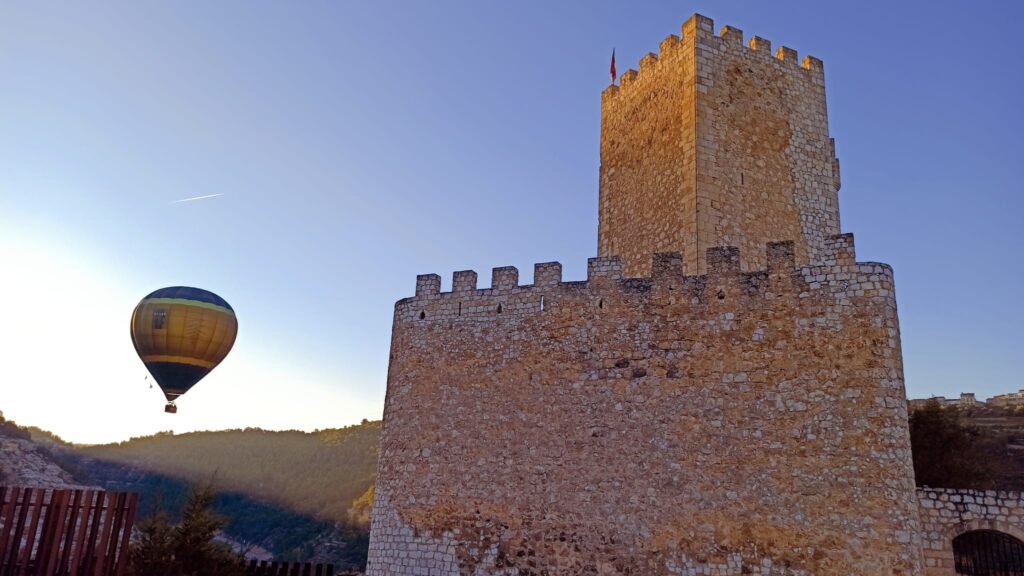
[542, 303]
[423, 315]
[499, 308]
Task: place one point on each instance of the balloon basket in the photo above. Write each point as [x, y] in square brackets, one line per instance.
[171, 408]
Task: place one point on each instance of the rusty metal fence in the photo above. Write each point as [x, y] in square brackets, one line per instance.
[46, 532]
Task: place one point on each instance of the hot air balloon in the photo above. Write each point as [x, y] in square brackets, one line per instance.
[181, 334]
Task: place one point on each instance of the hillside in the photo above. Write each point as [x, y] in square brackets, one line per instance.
[25, 463]
[292, 493]
[984, 442]
[1003, 428]
[296, 495]
[315, 473]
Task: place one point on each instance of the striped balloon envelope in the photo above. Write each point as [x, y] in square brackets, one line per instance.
[181, 334]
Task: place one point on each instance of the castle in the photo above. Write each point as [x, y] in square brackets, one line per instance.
[722, 395]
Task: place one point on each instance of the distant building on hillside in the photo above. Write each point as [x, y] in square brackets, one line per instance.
[966, 400]
[1011, 399]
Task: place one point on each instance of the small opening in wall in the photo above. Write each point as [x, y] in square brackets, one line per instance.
[600, 303]
[721, 295]
[742, 179]
[460, 308]
[499, 308]
[542, 303]
[423, 315]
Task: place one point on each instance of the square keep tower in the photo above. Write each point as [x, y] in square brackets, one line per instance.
[716, 143]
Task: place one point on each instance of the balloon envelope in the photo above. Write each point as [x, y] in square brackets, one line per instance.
[181, 334]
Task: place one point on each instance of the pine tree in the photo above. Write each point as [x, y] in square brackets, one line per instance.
[188, 549]
[153, 554]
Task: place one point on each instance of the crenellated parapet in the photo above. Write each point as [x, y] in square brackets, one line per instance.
[699, 31]
[838, 276]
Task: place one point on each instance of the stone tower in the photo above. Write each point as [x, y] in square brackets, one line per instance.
[713, 143]
[722, 395]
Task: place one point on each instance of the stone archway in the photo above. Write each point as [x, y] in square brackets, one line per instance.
[988, 552]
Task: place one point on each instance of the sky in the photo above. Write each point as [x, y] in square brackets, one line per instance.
[355, 144]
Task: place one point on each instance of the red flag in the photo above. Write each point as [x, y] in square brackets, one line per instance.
[614, 75]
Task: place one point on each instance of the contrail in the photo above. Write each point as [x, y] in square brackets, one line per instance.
[197, 198]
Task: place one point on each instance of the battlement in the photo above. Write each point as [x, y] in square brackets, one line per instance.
[838, 275]
[699, 31]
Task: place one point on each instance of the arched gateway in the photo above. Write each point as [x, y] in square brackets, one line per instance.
[988, 553]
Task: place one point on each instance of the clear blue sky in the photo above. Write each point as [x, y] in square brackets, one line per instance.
[357, 144]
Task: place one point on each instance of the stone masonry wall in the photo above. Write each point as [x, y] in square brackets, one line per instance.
[714, 143]
[946, 513]
[729, 423]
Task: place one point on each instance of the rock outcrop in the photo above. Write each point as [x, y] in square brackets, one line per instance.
[25, 463]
